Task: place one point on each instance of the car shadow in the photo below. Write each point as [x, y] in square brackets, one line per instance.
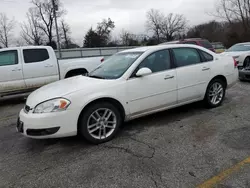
[128, 129]
[162, 118]
[13, 100]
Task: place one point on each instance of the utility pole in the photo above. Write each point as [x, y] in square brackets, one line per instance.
[55, 8]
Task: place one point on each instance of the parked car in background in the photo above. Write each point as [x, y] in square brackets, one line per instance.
[130, 84]
[218, 47]
[241, 53]
[196, 41]
[24, 69]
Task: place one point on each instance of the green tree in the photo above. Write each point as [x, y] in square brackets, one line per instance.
[99, 37]
[91, 39]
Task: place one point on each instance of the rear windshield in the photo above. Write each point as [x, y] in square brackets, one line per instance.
[239, 47]
[206, 44]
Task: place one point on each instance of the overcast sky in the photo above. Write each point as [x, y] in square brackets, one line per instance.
[127, 14]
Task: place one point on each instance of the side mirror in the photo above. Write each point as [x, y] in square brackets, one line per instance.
[143, 72]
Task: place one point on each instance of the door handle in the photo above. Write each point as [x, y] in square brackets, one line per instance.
[48, 65]
[16, 69]
[168, 77]
[205, 68]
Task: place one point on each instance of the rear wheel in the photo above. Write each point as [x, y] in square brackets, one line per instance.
[100, 122]
[215, 93]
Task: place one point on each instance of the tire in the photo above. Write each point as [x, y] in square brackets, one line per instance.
[246, 62]
[76, 73]
[89, 121]
[211, 92]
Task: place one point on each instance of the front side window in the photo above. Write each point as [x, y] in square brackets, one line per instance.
[186, 56]
[115, 66]
[156, 62]
[35, 55]
[8, 58]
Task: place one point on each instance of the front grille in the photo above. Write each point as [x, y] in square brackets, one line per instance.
[27, 108]
[42, 132]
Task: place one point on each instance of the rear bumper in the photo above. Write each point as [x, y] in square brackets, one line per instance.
[232, 78]
[244, 74]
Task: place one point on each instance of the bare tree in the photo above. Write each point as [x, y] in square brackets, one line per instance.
[154, 21]
[166, 27]
[31, 31]
[65, 34]
[129, 39]
[6, 28]
[173, 25]
[234, 11]
[45, 15]
[125, 36]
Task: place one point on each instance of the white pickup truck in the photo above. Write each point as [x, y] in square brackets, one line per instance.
[23, 69]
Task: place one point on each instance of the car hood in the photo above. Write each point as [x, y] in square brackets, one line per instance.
[233, 54]
[64, 87]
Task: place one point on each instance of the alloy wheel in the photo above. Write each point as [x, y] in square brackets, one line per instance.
[101, 123]
[216, 93]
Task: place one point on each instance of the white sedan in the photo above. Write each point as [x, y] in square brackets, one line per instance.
[241, 53]
[128, 85]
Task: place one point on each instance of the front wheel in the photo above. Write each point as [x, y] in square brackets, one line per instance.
[100, 122]
[215, 93]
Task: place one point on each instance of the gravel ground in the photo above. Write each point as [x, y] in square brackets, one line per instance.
[183, 147]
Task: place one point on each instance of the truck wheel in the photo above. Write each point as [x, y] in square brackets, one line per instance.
[100, 122]
[76, 73]
[215, 93]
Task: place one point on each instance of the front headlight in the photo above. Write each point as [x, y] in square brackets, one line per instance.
[53, 105]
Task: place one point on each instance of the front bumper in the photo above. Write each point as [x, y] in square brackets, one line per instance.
[48, 125]
[244, 74]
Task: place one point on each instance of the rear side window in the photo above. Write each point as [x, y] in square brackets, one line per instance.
[206, 56]
[8, 58]
[186, 56]
[206, 44]
[35, 55]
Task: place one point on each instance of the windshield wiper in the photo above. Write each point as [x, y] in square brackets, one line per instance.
[93, 76]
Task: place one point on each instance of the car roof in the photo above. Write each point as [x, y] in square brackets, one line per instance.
[159, 47]
[193, 39]
[170, 42]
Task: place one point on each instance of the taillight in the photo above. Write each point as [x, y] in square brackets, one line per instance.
[235, 63]
[102, 60]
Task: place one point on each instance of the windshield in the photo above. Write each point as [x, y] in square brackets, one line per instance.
[237, 47]
[115, 66]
